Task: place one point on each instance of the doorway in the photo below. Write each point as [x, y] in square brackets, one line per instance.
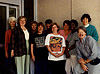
[6, 11]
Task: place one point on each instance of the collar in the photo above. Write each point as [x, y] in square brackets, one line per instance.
[83, 40]
[86, 25]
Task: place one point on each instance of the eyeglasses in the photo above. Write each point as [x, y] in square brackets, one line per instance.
[81, 32]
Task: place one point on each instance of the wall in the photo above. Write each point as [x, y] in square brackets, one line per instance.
[56, 10]
[59, 10]
[87, 6]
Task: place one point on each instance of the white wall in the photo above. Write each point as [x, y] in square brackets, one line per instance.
[59, 10]
[87, 6]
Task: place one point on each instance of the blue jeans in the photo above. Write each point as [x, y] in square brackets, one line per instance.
[56, 67]
[41, 67]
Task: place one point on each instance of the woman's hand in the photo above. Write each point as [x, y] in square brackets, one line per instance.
[84, 67]
[12, 53]
[33, 58]
[6, 54]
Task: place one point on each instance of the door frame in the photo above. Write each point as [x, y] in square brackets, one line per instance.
[7, 12]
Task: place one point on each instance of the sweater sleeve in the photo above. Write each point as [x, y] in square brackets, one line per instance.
[95, 34]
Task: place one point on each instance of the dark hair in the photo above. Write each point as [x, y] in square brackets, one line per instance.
[33, 22]
[56, 25]
[87, 16]
[48, 21]
[68, 23]
[21, 18]
[83, 28]
[75, 22]
[40, 23]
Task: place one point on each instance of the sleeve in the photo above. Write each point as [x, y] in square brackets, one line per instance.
[93, 47]
[6, 41]
[32, 39]
[63, 42]
[78, 53]
[95, 34]
[76, 36]
[47, 40]
[14, 38]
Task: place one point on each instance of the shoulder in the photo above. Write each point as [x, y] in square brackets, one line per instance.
[89, 39]
[92, 26]
[60, 31]
[8, 31]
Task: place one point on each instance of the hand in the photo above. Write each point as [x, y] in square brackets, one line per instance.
[88, 36]
[6, 54]
[33, 58]
[84, 67]
[12, 53]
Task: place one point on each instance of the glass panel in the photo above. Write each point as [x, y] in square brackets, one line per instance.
[2, 31]
[2, 24]
[12, 12]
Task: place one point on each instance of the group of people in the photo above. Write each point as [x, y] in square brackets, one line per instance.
[36, 50]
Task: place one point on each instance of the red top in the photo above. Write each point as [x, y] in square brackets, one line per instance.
[61, 32]
[7, 39]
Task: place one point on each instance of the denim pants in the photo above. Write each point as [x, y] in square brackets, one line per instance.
[92, 69]
[56, 67]
[40, 67]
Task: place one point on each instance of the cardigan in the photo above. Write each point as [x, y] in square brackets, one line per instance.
[18, 42]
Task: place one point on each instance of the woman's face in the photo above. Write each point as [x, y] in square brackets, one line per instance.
[72, 26]
[85, 21]
[40, 29]
[12, 23]
[54, 28]
[81, 34]
[33, 26]
[22, 22]
[66, 26]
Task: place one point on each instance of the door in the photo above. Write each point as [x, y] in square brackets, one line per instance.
[6, 11]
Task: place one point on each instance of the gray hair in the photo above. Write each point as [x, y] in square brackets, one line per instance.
[12, 19]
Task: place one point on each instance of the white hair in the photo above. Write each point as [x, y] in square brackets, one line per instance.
[12, 19]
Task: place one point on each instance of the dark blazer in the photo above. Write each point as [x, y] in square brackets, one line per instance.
[18, 42]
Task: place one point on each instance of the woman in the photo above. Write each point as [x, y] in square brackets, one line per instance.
[88, 54]
[55, 44]
[66, 30]
[9, 61]
[20, 46]
[33, 27]
[91, 30]
[39, 51]
[71, 60]
[12, 23]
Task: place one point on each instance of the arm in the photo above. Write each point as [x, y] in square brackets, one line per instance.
[93, 46]
[95, 34]
[13, 41]
[60, 54]
[6, 45]
[33, 57]
[49, 49]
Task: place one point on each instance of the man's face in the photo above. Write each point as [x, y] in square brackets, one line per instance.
[81, 34]
[48, 26]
